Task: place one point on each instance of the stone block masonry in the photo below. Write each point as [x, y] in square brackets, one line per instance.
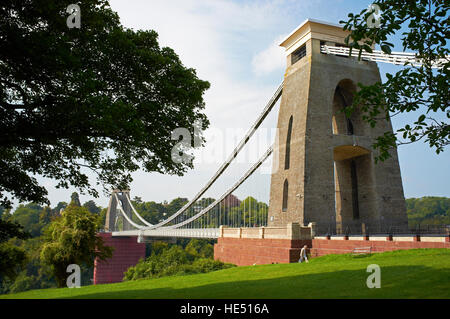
[127, 252]
[324, 167]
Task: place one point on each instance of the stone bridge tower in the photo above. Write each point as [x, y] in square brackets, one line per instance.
[114, 219]
[326, 171]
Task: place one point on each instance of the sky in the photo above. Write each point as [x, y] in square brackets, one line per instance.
[234, 46]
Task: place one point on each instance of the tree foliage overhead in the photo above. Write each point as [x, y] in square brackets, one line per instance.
[10, 229]
[101, 98]
[418, 89]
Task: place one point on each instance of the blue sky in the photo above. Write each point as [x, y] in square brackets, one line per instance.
[234, 45]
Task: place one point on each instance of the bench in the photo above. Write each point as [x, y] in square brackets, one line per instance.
[361, 250]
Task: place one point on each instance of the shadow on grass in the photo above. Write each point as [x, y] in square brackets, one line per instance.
[396, 282]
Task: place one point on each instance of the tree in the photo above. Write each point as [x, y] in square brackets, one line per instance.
[35, 275]
[92, 207]
[60, 206]
[175, 205]
[72, 239]
[200, 248]
[101, 98]
[428, 210]
[29, 216]
[103, 216]
[10, 230]
[151, 211]
[75, 199]
[45, 217]
[419, 89]
[12, 258]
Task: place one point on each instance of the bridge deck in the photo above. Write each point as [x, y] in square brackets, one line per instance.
[171, 232]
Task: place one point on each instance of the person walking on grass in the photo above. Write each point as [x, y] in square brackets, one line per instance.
[303, 256]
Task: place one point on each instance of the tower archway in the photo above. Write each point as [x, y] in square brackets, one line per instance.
[341, 123]
[352, 179]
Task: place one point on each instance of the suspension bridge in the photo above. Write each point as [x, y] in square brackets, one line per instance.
[323, 180]
[201, 218]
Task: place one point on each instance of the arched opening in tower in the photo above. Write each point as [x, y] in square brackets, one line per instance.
[352, 178]
[285, 195]
[341, 123]
[288, 145]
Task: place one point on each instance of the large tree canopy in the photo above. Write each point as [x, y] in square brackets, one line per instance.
[101, 97]
[419, 89]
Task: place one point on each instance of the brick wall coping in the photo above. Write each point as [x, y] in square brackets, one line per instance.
[404, 238]
[292, 231]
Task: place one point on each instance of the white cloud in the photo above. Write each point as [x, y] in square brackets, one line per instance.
[271, 59]
[218, 39]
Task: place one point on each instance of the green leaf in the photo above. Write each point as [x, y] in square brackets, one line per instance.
[367, 48]
[386, 49]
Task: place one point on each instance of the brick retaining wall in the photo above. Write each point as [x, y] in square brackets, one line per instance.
[344, 245]
[127, 252]
[249, 251]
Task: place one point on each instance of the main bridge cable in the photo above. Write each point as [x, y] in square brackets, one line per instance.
[208, 208]
[225, 165]
[125, 215]
[233, 188]
[136, 213]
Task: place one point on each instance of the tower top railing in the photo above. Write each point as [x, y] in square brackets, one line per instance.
[397, 58]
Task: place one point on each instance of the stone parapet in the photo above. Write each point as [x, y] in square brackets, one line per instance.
[292, 231]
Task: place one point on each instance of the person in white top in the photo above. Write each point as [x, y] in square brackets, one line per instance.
[303, 256]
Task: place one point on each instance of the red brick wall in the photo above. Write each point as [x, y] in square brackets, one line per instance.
[249, 251]
[327, 246]
[127, 252]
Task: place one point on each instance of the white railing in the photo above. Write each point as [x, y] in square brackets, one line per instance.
[397, 58]
[172, 232]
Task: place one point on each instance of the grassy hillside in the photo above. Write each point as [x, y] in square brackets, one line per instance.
[404, 274]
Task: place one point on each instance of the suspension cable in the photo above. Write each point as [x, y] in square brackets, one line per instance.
[137, 214]
[125, 215]
[233, 155]
[233, 188]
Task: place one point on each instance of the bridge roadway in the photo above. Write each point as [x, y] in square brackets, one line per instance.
[172, 232]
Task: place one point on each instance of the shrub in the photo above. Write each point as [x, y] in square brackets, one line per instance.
[175, 260]
[208, 265]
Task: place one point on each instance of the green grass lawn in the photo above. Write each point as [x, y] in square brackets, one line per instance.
[419, 273]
